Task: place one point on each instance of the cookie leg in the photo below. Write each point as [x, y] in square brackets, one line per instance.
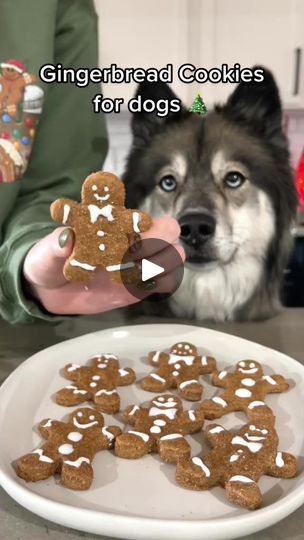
[191, 390]
[108, 401]
[77, 474]
[243, 491]
[71, 395]
[35, 466]
[215, 408]
[78, 270]
[284, 466]
[154, 383]
[194, 474]
[173, 447]
[133, 445]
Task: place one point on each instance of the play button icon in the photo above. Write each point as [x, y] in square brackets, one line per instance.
[150, 270]
[156, 269]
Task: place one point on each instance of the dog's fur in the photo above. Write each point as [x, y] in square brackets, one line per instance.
[237, 272]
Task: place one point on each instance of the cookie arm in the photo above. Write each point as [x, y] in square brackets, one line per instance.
[221, 378]
[155, 358]
[135, 221]
[283, 465]
[273, 384]
[62, 211]
[48, 427]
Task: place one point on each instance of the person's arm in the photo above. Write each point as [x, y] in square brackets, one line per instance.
[70, 140]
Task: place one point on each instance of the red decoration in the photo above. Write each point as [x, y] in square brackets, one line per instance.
[300, 180]
[29, 122]
[5, 135]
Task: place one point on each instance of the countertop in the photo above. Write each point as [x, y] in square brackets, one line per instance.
[284, 332]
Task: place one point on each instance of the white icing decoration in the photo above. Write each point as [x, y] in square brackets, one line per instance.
[248, 382]
[249, 371]
[143, 436]
[135, 408]
[48, 423]
[173, 358]
[177, 366]
[66, 212]
[155, 429]
[96, 377]
[279, 460]
[191, 415]
[100, 233]
[253, 437]
[75, 436]
[216, 429]
[252, 446]
[160, 399]
[204, 360]
[171, 399]
[101, 197]
[42, 457]
[107, 392]
[75, 389]
[107, 433]
[101, 247]
[157, 377]
[164, 405]
[93, 384]
[243, 393]
[252, 364]
[108, 356]
[77, 462]
[116, 267]
[73, 367]
[171, 436]
[91, 417]
[85, 266]
[269, 379]
[102, 365]
[84, 426]
[197, 461]
[96, 212]
[155, 356]
[159, 422]
[66, 449]
[187, 383]
[123, 372]
[220, 401]
[12, 152]
[94, 187]
[254, 404]
[175, 373]
[240, 478]
[170, 413]
[135, 220]
[236, 457]
[79, 414]
[222, 374]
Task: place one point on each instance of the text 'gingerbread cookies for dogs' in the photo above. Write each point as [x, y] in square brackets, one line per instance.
[69, 449]
[96, 382]
[238, 460]
[103, 228]
[181, 369]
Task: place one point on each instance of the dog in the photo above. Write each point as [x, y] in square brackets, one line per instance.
[226, 178]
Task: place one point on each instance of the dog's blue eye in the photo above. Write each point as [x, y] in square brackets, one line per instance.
[234, 180]
[168, 183]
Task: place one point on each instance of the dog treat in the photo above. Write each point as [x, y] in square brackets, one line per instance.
[238, 460]
[180, 368]
[245, 389]
[160, 427]
[102, 226]
[69, 449]
[96, 382]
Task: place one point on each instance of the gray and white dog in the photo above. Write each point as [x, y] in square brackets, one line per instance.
[226, 178]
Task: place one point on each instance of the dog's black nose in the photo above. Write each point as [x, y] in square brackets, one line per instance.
[196, 229]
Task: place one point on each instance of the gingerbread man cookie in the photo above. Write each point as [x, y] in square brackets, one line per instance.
[238, 460]
[244, 389]
[13, 81]
[96, 382]
[102, 227]
[180, 368]
[160, 427]
[69, 449]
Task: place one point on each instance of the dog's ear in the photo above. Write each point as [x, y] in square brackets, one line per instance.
[146, 125]
[258, 104]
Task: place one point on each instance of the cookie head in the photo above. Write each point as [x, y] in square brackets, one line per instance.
[86, 418]
[10, 74]
[184, 349]
[103, 188]
[105, 361]
[249, 367]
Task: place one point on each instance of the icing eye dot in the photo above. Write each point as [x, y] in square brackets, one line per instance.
[161, 399]
[177, 366]
[170, 399]
[252, 364]
[239, 451]
[252, 428]
[94, 188]
[106, 188]
[179, 345]
[242, 364]
[96, 377]
[187, 347]
[79, 414]
[91, 417]
[264, 431]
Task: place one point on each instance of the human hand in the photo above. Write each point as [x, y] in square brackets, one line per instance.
[43, 274]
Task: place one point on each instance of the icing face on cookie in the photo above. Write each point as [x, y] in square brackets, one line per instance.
[102, 192]
[85, 418]
[249, 367]
[184, 349]
[166, 401]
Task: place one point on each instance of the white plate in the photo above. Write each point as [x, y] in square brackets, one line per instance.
[139, 499]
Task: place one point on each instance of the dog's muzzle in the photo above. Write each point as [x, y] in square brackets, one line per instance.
[197, 230]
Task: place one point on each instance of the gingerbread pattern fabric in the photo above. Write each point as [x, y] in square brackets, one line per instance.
[238, 460]
[102, 227]
[181, 369]
[160, 427]
[245, 389]
[95, 382]
[69, 449]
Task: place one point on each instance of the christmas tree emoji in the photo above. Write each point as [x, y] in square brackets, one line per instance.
[198, 105]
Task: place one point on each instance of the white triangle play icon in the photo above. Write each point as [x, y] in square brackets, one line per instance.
[150, 270]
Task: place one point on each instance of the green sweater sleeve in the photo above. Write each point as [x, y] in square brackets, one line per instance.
[70, 140]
